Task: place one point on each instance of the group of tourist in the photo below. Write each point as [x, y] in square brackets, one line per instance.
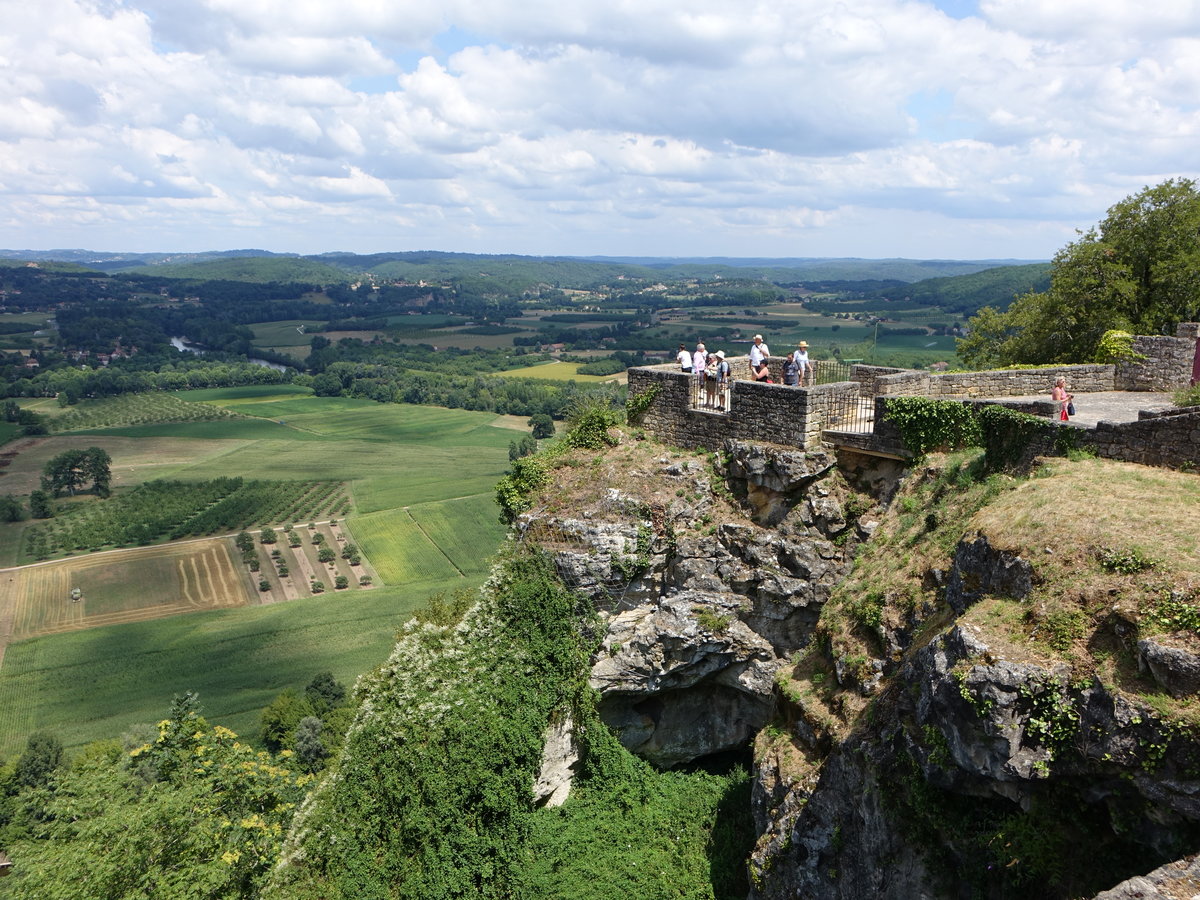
[712, 373]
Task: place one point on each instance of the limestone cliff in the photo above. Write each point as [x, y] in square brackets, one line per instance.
[956, 685]
[704, 597]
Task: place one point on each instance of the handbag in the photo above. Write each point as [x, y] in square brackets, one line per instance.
[1070, 409]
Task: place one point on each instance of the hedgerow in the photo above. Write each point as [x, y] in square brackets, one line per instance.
[1005, 434]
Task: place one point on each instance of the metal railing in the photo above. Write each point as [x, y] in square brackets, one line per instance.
[829, 371]
[849, 412]
[709, 394]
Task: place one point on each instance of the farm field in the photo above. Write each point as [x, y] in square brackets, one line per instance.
[178, 578]
[95, 681]
[461, 528]
[400, 550]
[137, 409]
[87, 685]
[289, 333]
[459, 339]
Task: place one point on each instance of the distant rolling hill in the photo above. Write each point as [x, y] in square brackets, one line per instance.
[965, 294]
[297, 269]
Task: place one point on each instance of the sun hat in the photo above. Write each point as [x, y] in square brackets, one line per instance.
[720, 354]
[802, 344]
[758, 337]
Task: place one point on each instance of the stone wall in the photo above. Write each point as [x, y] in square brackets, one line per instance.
[1082, 379]
[868, 376]
[1169, 438]
[796, 417]
[1166, 363]
[772, 413]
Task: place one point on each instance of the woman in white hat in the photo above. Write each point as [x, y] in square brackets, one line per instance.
[723, 372]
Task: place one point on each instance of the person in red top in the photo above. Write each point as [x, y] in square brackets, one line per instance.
[1061, 396]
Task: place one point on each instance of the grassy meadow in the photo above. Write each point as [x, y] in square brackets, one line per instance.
[422, 512]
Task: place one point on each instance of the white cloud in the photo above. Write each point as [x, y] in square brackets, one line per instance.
[593, 127]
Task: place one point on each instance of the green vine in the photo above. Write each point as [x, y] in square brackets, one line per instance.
[637, 404]
[529, 474]
[630, 567]
[926, 424]
[1053, 717]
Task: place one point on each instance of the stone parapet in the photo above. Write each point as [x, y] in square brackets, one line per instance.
[1159, 363]
[905, 383]
[1082, 379]
[774, 413]
[1170, 438]
[870, 377]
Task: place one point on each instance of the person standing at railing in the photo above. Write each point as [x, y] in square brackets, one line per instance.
[684, 359]
[1063, 398]
[699, 363]
[723, 373]
[711, 381]
[759, 351]
[804, 368]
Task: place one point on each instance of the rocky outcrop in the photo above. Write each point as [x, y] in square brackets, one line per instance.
[560, 760]
[699, 615]
[684, 677]
[1179, 880]
[1176, 670]
[773, 477]
[980, 569]
[942, 795]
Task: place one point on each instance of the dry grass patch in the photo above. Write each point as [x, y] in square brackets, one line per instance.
[125, 586]
[135, 459]
[891, 584]
[637, 471]
[1090, 506]
[1107, 540]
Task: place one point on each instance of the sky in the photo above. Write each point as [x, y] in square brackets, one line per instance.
[959, 129]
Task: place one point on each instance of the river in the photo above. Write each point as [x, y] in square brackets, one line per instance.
[180, 344]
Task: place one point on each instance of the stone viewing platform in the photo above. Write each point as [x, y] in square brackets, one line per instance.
[1124, 410]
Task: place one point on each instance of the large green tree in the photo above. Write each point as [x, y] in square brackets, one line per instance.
[72, 469]
[1138, 270]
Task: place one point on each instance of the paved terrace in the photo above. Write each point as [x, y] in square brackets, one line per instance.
[1101, 406]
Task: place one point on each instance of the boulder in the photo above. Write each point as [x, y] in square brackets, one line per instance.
[1175, 669]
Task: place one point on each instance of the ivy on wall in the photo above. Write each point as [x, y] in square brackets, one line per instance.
[926, 424]
[1006, 435]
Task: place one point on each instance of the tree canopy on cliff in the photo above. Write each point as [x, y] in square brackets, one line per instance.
[1138, 270]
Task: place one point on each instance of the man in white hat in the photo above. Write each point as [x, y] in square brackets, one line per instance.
[800, 362]
[759, 351]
